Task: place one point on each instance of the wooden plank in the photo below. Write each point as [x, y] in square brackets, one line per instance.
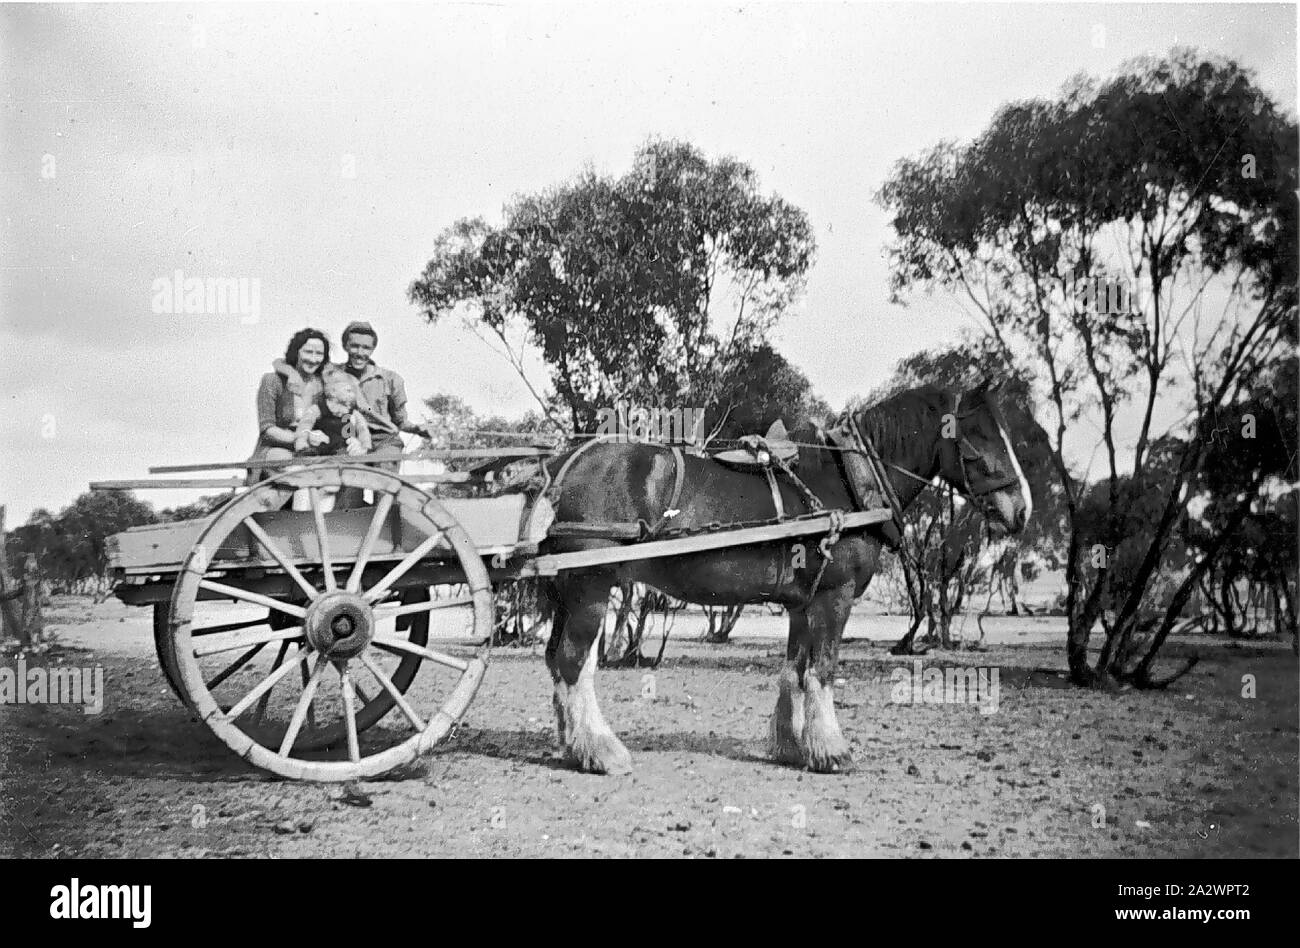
[234, 483]
[379, 457]
[192, 483]
[493, 524]
[553, 563]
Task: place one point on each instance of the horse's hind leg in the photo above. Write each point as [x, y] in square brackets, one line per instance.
[580, 604]
[824, 747]
[784, 733]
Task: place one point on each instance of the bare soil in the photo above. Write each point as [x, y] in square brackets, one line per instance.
[1197, 771]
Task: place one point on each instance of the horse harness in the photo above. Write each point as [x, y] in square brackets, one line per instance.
[770, 463]
[864, 445]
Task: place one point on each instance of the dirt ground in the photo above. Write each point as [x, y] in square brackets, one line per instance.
[1197, 771]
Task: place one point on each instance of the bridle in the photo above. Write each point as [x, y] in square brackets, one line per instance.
[977, 497]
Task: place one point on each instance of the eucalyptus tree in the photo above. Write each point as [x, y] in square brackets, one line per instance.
[648, 288]
[1093, 234]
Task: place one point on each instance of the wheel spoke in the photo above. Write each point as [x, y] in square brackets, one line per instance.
[387, 684]
[428, 606]
[311, 708]
[290, 570]
[322, 539]
[263, 701]
[235, 666]
[267, 683]
[397, 572]
[368, 544]
[402, 645]
[228, 627]
[275, 635]
[244, 595]
[304, 703]
[349, 712]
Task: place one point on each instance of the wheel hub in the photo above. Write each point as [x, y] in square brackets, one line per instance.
[339, 625]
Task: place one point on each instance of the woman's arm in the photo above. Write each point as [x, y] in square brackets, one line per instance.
[302, 435]
[268, 395]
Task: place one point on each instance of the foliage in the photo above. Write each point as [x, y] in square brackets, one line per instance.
[1173, 176]
[71, 546]
[760, 388]
[644, 288]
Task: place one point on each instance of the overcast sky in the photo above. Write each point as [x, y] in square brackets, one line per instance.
[319, 149]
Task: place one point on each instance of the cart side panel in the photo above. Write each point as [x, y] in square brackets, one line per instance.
[493, 523]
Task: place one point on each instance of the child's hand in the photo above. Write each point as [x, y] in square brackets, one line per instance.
[316, 438]
[355, 448]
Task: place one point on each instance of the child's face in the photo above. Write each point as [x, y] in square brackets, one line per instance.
[337, 408]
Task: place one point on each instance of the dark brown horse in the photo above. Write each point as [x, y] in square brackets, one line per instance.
[919, 434]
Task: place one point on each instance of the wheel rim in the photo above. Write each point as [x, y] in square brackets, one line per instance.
[334, 626]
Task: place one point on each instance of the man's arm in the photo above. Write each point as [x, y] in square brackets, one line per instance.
[397, 406]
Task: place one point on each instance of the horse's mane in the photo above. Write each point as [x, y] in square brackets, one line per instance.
[895, 420]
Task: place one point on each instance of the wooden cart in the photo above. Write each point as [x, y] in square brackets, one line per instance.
[233, 593]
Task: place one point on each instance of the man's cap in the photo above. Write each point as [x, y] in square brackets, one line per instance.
[361, 327]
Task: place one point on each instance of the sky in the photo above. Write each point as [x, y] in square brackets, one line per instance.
[315, 151]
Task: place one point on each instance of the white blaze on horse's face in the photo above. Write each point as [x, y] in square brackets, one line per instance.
[1013, 515]
[1020, 475]
[995, 482]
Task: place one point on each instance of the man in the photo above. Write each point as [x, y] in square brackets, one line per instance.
[383, 390]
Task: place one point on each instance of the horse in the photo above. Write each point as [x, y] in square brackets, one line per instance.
[918, 434]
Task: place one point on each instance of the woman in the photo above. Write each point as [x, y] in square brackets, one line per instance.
[286, 393]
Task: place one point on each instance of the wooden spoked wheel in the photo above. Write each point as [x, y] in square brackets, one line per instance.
[372, 709]
[303, 716]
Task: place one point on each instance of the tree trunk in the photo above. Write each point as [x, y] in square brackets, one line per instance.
[33, 589]
[1142, 674]
[616, 646]
[9, 592]
[721, 622]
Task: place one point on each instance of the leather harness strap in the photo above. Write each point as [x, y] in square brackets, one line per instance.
[776, 493]
[553, 490]
[883, 483]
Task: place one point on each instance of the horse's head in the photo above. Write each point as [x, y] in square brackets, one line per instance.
[977, 459]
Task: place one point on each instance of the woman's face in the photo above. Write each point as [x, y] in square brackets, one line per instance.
[310, 356]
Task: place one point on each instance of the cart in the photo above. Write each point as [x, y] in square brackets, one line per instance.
[296, 635]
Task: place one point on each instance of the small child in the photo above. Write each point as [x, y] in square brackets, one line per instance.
[332, 424]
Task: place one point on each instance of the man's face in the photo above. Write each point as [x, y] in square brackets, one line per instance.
[360, 348]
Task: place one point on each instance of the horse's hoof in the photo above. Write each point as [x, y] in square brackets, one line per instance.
[785, 749]
[831, 763]
[604, 754]
[787, 755]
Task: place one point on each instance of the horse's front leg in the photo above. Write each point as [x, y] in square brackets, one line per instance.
[825, 748]
[586, 739]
